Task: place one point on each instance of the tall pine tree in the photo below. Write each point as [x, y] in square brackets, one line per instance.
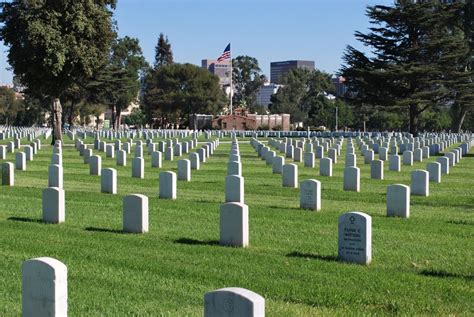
[463, 90]
[415, 58]
[163, 52]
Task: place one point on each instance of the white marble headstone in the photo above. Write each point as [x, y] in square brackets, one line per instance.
[355, 237]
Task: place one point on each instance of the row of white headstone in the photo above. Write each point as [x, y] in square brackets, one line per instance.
[18, 133]
[398, 195]
[45, 289]
[45, 293]
[8, 168]
[234, 213]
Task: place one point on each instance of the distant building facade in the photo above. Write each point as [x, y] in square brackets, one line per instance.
[200, 121]
[339, 85]
[240, 120]
[278, 69]
[221, 70]
[265, 92]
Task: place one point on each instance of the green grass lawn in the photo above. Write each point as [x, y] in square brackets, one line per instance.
[423, 265]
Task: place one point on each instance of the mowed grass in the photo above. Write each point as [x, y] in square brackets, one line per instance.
[423, 265]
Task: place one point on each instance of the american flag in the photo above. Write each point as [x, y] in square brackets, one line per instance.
[225, 55]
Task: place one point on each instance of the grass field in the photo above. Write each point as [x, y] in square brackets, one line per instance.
[423, 265]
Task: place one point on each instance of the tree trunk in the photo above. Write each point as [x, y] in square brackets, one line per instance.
[414, 120]
[56, 112]
[118, 118]
[458, 119]
[112, 117]
[70, 117]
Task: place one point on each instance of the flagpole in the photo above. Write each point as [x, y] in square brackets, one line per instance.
[231, 91]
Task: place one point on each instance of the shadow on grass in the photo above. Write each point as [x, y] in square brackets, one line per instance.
[24, 219]
[461, 222]
[206, 201]
[297, 254]
[280, 208]
[94, 229]
[444, 274]
[190, 241]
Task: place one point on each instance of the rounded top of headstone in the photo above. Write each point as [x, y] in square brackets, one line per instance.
[55, 189]
[237, 291]
[167, 173]
[418, 171]
[44, 265]
[310, 181]
[140, 196]
[351, 168]
[234, 177]
[399, 185]
[353, 216]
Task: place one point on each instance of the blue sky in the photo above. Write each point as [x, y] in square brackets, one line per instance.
[269, 30]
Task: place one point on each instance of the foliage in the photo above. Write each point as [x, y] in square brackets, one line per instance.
[417, 56]
[31, 112]
[304, 96]
[54, 44]
[91, 111]
[163, 52]
[117, 84]
[173, 92]
[437, 120]
[247, 78]
[468, 124]
[383, 120]
[136, 118]
[9, 105]
[462, 92]
[19, 110]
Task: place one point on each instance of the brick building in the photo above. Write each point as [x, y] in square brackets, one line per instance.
[241, 120]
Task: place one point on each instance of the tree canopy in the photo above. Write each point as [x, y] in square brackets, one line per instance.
[173, 92]
[418, 58]
[247, 78]
[9, 105]
[118, 82]
[163, 52]
[305, 95]
[54, 44]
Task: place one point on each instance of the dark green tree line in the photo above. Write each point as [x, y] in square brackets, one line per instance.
[307, 96]
[418, 63]
[173, 92]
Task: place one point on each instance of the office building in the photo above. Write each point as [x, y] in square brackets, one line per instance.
[278, 69]
[221, 70]
[339, 85]
[264, 94]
